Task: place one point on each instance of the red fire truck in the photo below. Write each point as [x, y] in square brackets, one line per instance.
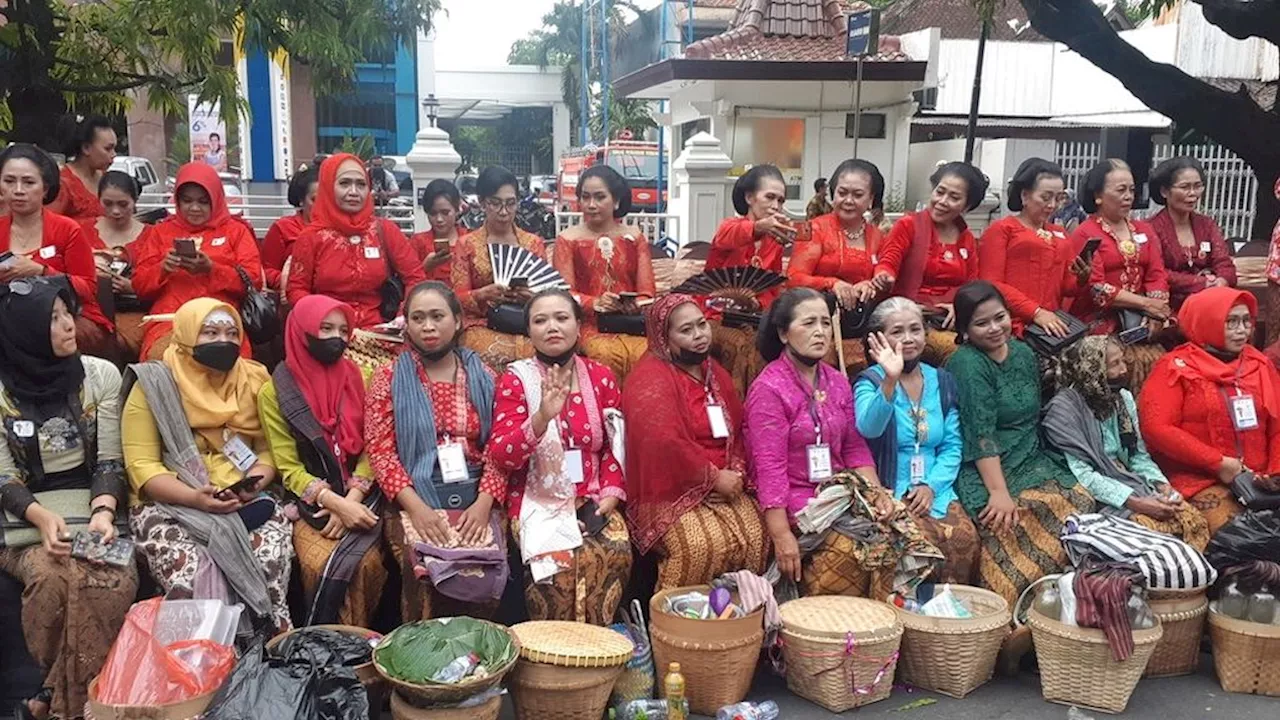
[636, 160]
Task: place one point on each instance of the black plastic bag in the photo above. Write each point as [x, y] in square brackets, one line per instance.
[296, 687]
[1246, 550]
[325, 647]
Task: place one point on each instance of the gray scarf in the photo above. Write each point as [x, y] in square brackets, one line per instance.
[1072, 428]
[223, 537]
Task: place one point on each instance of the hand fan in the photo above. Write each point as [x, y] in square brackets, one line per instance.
[513, 261]
[740, 283]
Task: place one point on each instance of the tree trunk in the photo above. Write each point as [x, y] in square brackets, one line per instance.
[1234, 120]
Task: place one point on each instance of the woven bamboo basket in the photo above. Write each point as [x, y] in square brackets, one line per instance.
[449, 693]
[1246, 655]
[403, 709]
[954, 656]
[566, 670]
[1181, 614]
[840, 651]
[1076, 667]
[717, 657]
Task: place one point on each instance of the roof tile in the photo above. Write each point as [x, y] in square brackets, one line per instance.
[799, 30]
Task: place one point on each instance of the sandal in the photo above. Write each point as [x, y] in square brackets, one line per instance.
[22, 710]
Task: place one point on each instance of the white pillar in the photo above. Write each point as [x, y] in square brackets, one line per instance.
[560, 140]
[431, 158]
[701, 188]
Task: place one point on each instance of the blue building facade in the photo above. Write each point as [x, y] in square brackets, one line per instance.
[382, 103]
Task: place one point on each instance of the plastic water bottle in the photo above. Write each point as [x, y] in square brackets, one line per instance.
[677, 709]
[1233, 603]
[767, 710]
[458, 669]
[644, 710]
[1262, 608]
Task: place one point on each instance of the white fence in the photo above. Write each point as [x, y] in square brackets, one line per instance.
[263, 210]
[662, 229]
[1230, 195]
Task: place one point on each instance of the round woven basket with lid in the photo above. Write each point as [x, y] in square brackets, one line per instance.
[566, 670]
[840, 652]
[1182, 614]
[954, 656]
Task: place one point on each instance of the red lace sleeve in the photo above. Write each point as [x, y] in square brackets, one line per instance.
[380, 437]
[609, 395]
[512, 442]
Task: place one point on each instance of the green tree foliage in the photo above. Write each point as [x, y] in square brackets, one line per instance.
[90, 54]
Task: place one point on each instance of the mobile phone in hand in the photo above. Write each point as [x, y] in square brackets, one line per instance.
[230, 491]
[185, 247]
[519, 283]
[89, 546]
[442, 246]
[628, 296]
[588, 517]
[1090, 247]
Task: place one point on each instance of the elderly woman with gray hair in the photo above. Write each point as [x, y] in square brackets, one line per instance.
[909, 413]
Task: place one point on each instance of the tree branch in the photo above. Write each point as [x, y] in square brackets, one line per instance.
[1244, 19]
[1234, 120]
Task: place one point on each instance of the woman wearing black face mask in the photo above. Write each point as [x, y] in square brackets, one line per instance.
[191, 431]
[558, 435]
[313, 414]
[431, 412]
[1093, 421]
[686, 462]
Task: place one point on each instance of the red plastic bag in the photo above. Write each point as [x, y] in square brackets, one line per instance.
[141, 671]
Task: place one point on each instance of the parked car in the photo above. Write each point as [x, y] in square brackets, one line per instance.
[142, 171]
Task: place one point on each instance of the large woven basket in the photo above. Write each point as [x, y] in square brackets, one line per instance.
[954, 656]
[840, 651]
[1181, 614]
[1076, 667]
[566, 670]
[717, 657]
[403, 709]
[428, 694]
[1246, 655]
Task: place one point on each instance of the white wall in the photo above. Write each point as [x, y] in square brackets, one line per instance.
[1017, 78]
[1204, 50]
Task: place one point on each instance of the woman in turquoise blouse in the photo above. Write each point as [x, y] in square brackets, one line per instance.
[909, 414]
[1093, 421]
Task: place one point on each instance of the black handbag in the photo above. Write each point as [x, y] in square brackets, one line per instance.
[259, 311]
[1047, 345]
[856, 323]
[392, 290]
[507, 318]
[1245, 488]
[1133, 326]
[621, 324]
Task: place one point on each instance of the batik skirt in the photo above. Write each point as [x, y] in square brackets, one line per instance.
[419, 600]
[364, 592]
[591, 588]
[710, 540]
[957, 537]
[617, 352]
[1218, 505]
[497, 350]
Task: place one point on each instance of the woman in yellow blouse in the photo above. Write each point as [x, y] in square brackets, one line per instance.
[196, 455]
[313, 413]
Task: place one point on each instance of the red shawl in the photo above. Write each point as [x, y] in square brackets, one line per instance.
[326, 213]
[1203, 320]
[335, 393]
[672, 460]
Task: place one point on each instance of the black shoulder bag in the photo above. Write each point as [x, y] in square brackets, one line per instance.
[392, 289]
[259, 311]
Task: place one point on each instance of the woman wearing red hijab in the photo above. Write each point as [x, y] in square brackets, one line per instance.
[168, 275]
[313, 414]
[346, 252]
[1211, 407]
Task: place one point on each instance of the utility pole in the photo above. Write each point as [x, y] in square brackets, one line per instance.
[977, 92]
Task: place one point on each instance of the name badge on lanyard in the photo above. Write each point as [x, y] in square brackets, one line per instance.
[719, 424]
[917, 469]
[573, 466]
[453, 461]
[1205, 247]
[1243, 412]
[238, 451]
[819, 462]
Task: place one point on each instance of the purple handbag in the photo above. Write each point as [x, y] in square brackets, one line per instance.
[469, 574]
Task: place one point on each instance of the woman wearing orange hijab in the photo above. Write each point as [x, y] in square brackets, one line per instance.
[167, 275]
[346, 253]
[1211, 407]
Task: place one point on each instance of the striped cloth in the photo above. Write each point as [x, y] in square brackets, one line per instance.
[1166, 562]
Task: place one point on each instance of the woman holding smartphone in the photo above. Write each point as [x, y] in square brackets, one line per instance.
[196, 253]
[197, 455]
[61, 473]
[112, 239]
[442, 202]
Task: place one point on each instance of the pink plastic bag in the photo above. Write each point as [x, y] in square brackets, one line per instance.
[141, 671]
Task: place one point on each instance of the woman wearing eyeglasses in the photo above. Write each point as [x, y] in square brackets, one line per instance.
[347, 252]
[472, 274]
[1195, 255]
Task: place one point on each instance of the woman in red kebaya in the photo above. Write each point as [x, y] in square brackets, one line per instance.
[442, 202]
[1128, 270]
[757, 238]
[111, 237]
[90, 147]
[1211, 407]
[277, 247]
[43, 243]
[168, 275]
[1032, 262]
[930, 254]
[346, 252]
[607, 265]
[1195, 255]
[838, 252]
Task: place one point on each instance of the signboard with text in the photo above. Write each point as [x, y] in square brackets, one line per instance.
[863, 33]
[208, 133]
